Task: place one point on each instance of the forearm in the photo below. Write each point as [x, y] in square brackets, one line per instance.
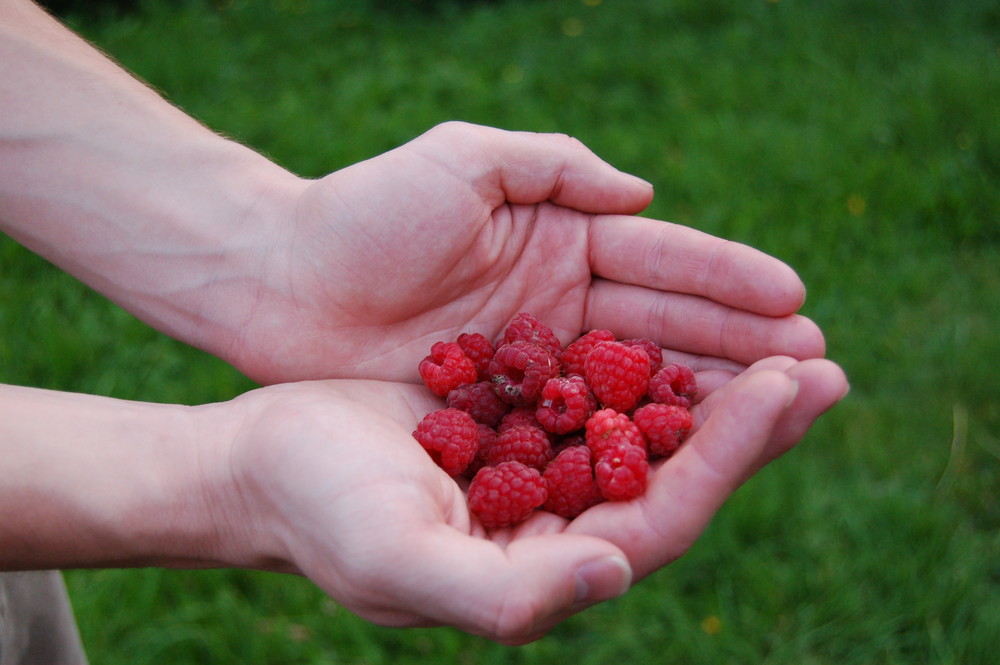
[110, 182]
[90, 481]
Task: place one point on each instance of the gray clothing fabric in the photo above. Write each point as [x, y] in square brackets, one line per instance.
[36, 621]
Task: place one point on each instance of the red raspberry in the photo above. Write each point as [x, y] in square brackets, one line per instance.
[665, 426]
[446, 368]
[480, 401]
[570, 482]
[451, 437]
[519, 415]
[487, 437]
[565, 404]
[526, 328]
[519, 371]
[674, 384]
[573, 357]
[618, 374]
[608, 428]
[506, 494]
[521, 443]
[561, 443]
[652, 350]
[622, 472]
[480, 351]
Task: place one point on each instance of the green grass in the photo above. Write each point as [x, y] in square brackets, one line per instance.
[856, 140]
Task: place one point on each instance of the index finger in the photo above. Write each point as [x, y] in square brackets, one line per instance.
[671, 257]
[686, 491]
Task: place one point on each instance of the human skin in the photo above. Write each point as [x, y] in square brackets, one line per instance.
[356, 274]
[351, 277]
[324, 479]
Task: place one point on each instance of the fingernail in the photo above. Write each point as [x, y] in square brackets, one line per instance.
[793, 394]
[644, 183]
[602, 579]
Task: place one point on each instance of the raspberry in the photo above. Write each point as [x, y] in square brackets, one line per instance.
[652, 350]
[618, 374]
[665, 426]
[561, 443]
[479, 350]
[608, 428]
[573, 357]
[451, 437]
[569, 480]
[674, 384]
[480, 401]
[521, 443]
[622, 472]
[487, 437]
[565, 404]
[446, 368]
[519, 371]
[519, 415]
[506, 494]
[526, 328]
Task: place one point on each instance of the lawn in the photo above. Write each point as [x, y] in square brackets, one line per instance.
[858, 140]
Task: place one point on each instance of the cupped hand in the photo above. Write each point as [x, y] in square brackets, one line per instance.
[328, 482]
[464, 227]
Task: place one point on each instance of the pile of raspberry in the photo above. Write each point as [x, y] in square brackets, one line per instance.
[535, 425]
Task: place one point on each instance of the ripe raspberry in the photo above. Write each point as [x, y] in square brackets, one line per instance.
[487, 437]
[480, 401]
[519, 371]
[526, 328]
[446, 368]
[521, 443]
[480, 351]
[561, 443]
[451, 437]
[570, 482]
[618, 374]
[608, 428]
[622, 472]
[665, 427]
[565, 404]
[506, 494]
[573, 357]
[652, 350]
[674, 384]
[519, 415]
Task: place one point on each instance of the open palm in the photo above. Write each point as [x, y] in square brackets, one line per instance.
[340, 492]
[464, 227]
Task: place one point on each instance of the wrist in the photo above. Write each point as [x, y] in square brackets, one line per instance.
[91, 481]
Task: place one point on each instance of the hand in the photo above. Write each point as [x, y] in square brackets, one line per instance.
[333, 490]
[464, 227]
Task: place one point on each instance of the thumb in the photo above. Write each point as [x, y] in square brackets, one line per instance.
[512, 594]
[687, 490]
[528, 168]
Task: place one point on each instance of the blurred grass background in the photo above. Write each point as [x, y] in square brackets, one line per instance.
[858, 140]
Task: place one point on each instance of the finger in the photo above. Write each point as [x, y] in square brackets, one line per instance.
[686, 491]
[821, 385]
[696, 325]
[510, 594]
[671, 257]
[523, 167]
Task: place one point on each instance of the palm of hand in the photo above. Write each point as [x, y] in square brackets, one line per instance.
[362, 510]
[389, 255]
